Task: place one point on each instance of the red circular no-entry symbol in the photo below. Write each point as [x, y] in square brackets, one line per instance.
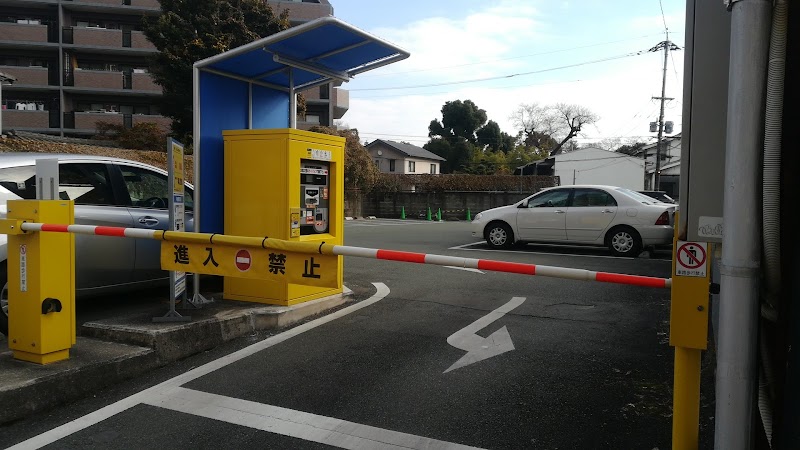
[243, 260]
[691, 256]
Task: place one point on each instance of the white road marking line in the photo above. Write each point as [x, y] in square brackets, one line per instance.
[156, 391]
[293, 423]
[478, 347]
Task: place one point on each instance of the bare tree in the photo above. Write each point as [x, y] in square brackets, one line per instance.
[571, 118]
[551, 127]
[536, 124]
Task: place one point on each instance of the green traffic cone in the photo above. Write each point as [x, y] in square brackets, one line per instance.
[403, 212]
[439, 215]
[428, 216]
[469, 216]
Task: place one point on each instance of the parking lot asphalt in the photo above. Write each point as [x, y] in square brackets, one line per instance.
[121, 342]
[117, 339]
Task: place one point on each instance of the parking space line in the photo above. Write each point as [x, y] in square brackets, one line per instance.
[153, 393]
[293, 423]
[525, 252]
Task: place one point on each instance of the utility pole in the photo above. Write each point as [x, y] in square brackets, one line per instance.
[665, 45]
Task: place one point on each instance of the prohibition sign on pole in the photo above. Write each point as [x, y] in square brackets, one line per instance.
[243, 260]
[691, 259]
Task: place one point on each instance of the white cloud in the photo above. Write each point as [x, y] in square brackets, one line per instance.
[456, 49]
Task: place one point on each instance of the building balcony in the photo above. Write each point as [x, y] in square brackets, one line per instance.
[145, 82]
[86, 122]
[29, 76]
[300, 12]
[23, 32]
[26, 120]
[105, 38]
[164, 122]
[150, 4]
[103, 79]
[341, 102]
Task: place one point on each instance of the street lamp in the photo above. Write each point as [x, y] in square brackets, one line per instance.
[4, 78]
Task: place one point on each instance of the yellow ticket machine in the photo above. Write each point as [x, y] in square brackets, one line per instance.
[284, 184]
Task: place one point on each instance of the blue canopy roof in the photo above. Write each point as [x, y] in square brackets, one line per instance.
[254, 86]
[310, 54]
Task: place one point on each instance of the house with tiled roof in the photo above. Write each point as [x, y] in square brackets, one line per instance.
[403, 158]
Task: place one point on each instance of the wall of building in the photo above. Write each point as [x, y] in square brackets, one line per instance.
[401, 160]
[595, 166]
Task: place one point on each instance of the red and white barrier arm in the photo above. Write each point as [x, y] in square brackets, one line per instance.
[502, 266]
[343, 250]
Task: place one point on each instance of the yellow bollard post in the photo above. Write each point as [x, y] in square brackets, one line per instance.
[688, 333]
[686, 399]
[41, 281]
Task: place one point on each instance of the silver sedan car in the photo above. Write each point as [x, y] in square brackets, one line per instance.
[108, 192]
[618, 218]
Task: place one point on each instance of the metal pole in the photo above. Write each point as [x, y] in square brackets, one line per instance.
[292, 102]
[657, 175]
[741, 252]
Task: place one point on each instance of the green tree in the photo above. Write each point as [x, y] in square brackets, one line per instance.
[191, 30]
[491, 138]
[459, 120]
[359, 171]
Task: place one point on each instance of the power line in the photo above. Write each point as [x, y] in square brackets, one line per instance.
[476, 80]
[505, 59]
[664, 19]
[449, 91]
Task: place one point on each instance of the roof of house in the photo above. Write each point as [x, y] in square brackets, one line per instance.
[408, 150]
[676, 136]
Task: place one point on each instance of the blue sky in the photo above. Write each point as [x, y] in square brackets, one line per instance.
[452, 42]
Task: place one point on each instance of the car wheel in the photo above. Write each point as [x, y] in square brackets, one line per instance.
[4, 299]
[624, 241]
[499, 235]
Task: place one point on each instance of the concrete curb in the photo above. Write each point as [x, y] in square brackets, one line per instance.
[26, 388]
[110, 351]
[173, 342]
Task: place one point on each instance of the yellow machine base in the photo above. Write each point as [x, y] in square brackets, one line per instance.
[37, 358]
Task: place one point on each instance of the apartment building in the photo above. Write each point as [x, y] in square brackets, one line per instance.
[325, 103]
[77, 62]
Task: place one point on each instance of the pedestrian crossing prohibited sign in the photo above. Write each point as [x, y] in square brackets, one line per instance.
[691, 259]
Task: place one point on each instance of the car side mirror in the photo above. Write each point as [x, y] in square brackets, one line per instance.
[522, 205]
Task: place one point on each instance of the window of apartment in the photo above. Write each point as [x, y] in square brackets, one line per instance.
[433, 168]
[325, 92]
[412, 166]
[391, 165]
[312, 118]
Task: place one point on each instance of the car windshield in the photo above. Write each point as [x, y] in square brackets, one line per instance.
[637, 196]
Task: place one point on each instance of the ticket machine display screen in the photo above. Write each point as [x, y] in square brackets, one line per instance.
[314, 191]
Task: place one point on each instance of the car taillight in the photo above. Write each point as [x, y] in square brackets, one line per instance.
[663, 219]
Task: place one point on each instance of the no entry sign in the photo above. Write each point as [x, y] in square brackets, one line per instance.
[243, 260]
[691, 259]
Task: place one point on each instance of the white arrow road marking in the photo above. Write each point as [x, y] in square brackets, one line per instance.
[468, 269]
[479, 348]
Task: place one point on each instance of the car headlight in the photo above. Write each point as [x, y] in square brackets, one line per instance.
[478, 216]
